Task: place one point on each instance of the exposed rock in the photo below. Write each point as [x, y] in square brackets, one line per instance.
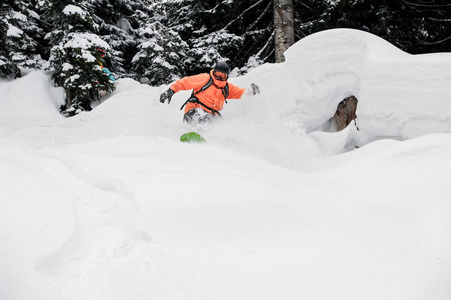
[346, 112]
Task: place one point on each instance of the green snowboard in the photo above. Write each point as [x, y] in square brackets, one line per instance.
[192, 137]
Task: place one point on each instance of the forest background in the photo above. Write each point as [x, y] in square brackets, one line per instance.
[156, 41]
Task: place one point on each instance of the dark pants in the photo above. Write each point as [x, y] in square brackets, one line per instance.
[198, 116]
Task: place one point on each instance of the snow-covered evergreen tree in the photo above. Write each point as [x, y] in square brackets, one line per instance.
[161, 55]
[141, 47]
[8, 69]
[207, 49]
[77, 66]
[119, 25]
[189, 36]
[201, 24]
[19, 38]
[241, 32]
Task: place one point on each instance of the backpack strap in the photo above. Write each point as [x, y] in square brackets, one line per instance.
[194, 99]
[206, 86]
[225, 91]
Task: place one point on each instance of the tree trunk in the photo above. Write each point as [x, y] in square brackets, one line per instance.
[283, 27]
[68, 99]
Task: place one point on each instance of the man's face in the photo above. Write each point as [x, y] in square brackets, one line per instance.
[220, 76]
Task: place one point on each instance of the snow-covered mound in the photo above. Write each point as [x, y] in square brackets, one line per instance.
[110, 205]
[400, 95]
[29, 99]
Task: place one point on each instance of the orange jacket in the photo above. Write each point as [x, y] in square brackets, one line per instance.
[212, 96]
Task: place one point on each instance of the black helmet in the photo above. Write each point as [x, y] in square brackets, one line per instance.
[222, 66]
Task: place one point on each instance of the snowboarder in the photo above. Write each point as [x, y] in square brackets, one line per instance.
[102, 53]
[210, 91]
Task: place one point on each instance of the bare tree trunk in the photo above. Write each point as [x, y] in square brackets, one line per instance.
[283, 27]
[68, 98]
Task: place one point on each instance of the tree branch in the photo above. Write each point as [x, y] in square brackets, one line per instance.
[261, 16]
[268, 43]
[432, 43]
[427, 5]
[439, 20]
[243, 13]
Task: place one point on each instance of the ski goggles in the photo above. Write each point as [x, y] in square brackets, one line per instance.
[220, 76]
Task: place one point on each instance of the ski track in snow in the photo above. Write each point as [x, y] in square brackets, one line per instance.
[105, 246]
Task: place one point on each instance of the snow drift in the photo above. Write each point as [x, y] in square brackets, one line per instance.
[400, 96]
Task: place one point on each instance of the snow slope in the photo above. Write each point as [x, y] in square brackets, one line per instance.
[109, 205]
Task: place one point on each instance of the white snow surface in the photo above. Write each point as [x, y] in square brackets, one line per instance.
[110, 205]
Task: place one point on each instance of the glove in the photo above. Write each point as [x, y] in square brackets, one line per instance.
[167, 96]
[255, 89]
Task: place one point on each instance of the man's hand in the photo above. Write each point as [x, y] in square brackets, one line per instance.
[167, 96]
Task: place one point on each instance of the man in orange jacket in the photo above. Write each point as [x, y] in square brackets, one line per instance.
[210, 91]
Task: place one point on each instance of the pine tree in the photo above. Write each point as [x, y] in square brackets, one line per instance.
[241, 32]
[20, 36]
[141, 46]
[8, 69]
[201, 24]
[120, 25]
[161, 55]
[74, 58]
[398, 24]
[433, 25]
[394, 21]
